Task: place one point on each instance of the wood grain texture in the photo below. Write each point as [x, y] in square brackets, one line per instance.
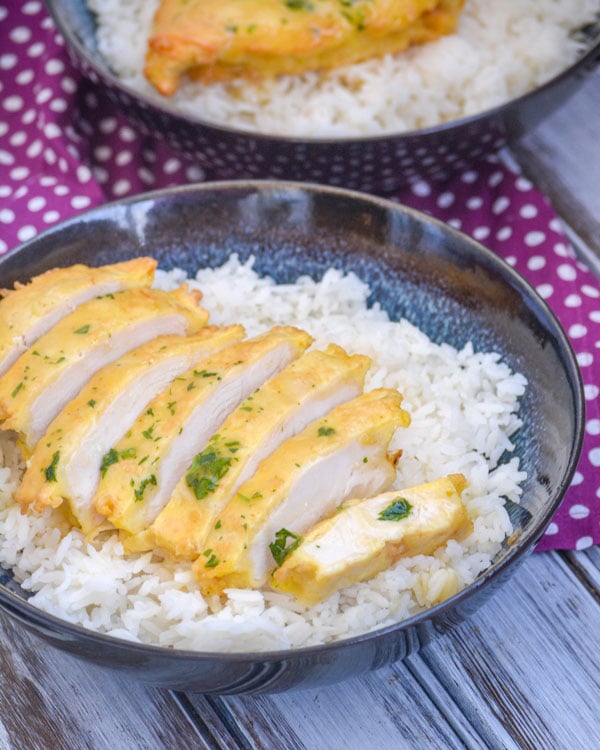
[51, 701]
[586, 564]
[385, 709]
[529, 660]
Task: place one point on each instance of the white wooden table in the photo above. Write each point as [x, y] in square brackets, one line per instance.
[524, 672]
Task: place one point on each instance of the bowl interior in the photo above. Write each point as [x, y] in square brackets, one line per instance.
[455, 290]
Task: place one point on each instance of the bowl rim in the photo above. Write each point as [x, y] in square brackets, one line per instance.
[526, 542]
[591, 56]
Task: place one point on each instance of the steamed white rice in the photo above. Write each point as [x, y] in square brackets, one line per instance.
[500, 50]
[463, 406]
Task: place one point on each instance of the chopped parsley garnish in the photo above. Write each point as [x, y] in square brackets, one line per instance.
[212, 562]
[396, 511]
[299, 5]
[50, 471]
[113, 456]
[256, 496]
[17, 389]
[92, 403]
[83, 329]
[205, 472]
[146, 481]
[278, 548]
[324, 431]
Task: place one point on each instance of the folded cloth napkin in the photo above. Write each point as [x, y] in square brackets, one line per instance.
[65, 148]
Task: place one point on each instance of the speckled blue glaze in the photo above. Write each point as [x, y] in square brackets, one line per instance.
[451, 287]
[374, 164]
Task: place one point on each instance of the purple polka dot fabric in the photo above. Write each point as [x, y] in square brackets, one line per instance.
[64, 148]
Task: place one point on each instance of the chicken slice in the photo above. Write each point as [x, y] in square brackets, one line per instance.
[220, 41]
[66, 463]
[46, 377]
[30, 310]
[342, 455]
[368, 536]
[179, 422]
[306, 390]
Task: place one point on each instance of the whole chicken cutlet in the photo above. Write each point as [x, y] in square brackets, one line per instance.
[213, 42]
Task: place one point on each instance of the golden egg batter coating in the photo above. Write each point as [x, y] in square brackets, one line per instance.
[219, 41]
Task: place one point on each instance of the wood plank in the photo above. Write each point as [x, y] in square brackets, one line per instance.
[49, 700]
[562, 157]
[386, 709]
[528, 660]
[586, 565]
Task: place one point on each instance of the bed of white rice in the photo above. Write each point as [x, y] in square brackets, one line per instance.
[462, 404]
[501, 50]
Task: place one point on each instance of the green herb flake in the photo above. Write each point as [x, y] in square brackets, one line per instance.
[207, 469]
[278, 548]
[50, 471]
[299, 5]
[92, 403]
[113, 456]
[83, 329]
[108, 459]
[256, 496]
[212, 562]
[397, 510]
[17, 389]
[146, 481]
[325, 431]
[204, 374]
[171, 407]
[218, 524]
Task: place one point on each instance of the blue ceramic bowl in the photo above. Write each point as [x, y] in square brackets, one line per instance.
[454, 289]
[374, 164]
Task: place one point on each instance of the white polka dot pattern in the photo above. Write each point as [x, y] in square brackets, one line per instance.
[64, 147]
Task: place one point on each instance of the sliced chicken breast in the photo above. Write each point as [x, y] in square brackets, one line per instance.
[306, 390]
[342, 455]
[30, 310]
[47, 376]
[179, 422]
[368, 536]
[65, 464]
